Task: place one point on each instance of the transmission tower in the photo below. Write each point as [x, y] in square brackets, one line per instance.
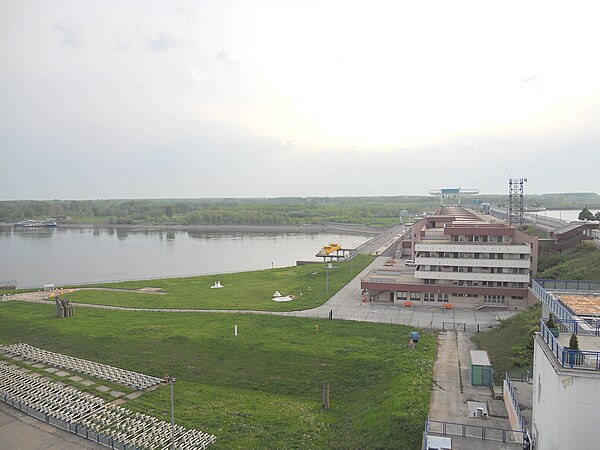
[515, 202]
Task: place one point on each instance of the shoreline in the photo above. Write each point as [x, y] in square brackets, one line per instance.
[278, 228]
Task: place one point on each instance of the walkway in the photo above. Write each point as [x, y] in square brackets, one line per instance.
[14, 425]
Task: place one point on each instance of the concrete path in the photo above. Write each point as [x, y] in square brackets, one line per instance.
[14, 425]
[452, 390]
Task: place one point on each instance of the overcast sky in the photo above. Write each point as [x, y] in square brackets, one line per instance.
[252, 98]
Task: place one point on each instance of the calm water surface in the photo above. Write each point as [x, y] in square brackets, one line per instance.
[62, 256]
[567, 215]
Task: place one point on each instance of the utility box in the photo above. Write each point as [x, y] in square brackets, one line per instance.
[481, 369]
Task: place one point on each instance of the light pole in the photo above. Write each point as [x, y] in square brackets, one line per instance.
[327, 279]
[171, 380]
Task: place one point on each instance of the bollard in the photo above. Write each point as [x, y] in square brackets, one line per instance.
[235, 330]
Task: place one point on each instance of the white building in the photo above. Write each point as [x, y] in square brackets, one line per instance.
[460, 260]
[566, 383]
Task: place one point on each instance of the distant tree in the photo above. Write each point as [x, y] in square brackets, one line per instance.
[597, 216]
[169, 210]
[585, 214]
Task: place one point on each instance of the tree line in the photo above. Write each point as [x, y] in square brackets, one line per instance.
[283, 210]
[375, 210]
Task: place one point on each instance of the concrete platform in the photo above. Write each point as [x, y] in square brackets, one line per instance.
[19, 431]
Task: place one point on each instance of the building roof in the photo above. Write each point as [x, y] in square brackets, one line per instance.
[587, 304]
[480, 358]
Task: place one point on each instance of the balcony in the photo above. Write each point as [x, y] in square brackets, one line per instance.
[473, 262]
[478, 247]
[569, 359]
[568, 322]
[471, 276]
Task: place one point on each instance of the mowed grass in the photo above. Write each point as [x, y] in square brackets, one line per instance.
[244, 290]
[261, 389]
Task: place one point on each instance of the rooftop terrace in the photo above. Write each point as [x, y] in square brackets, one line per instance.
[576, 313]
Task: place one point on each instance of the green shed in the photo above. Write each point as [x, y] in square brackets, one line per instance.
[481, 368]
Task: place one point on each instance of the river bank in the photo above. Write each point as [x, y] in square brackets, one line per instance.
[262, 228]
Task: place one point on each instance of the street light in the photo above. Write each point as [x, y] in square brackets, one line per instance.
[327, 278]
[171, 380]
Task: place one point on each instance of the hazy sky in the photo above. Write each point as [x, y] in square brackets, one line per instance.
[252, 98]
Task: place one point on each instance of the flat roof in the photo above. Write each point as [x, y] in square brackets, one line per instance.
[587, 304]
[480, 358]
[573, 226]
[398, 275]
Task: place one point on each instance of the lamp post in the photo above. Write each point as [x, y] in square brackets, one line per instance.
[327, 279]
[171, 380]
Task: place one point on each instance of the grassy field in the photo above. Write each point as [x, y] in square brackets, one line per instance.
[261, 389]
[245, 290]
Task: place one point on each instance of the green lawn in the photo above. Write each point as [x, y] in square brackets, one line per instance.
[261, 389]
[245, 290]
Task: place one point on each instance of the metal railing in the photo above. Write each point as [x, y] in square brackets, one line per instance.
[570, 285]
[567, 358]
[472, 431]
[514, 402]
[565, 319]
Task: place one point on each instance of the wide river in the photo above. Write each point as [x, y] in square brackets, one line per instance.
[567, 215]
[70, 256]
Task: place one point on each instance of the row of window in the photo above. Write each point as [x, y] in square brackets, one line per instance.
[507, 270]
[515, 285]
[443, 298]
[483, 238]
[473, 255]
[494, 299]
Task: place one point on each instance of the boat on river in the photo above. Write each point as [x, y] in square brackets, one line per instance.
[50, 223]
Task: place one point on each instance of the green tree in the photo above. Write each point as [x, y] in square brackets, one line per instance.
[169, 210]
[574, 342]
[585, 214]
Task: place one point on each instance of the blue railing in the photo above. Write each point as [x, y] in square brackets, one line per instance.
[515, 403]
[568, 321]
[578, 359]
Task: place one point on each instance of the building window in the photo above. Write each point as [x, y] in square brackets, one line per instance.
[401, 296]
[415, 296]
[494, 299]
[428, 296]
[442, 298]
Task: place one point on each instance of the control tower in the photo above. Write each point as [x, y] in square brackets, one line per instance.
[448, 193]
